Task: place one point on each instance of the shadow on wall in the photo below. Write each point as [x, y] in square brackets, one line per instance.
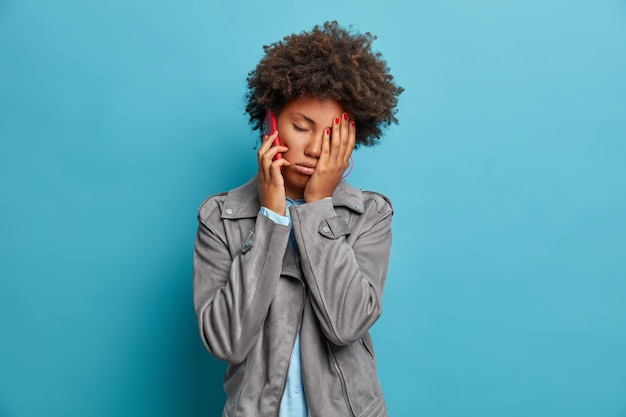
[199, 391]
[207, 398]
[185, 379]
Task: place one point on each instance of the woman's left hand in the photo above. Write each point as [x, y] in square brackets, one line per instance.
[337, 147]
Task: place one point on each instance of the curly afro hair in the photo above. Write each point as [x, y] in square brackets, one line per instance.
[327, 62]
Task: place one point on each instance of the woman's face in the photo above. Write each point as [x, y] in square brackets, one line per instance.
[301, 125]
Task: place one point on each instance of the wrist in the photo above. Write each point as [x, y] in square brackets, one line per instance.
[282, 211]
[315, 197]
[312, 198]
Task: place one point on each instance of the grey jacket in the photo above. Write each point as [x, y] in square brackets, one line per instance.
[253, 293]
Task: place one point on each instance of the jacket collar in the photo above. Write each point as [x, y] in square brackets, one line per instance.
[243, 201]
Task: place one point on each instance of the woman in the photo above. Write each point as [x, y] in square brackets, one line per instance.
[289, 268]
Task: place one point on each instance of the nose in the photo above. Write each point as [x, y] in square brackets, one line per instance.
[313, 147]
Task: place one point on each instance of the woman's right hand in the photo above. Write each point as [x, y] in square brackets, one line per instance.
[271, 183]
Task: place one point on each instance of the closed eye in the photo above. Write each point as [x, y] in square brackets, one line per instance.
[298, 128]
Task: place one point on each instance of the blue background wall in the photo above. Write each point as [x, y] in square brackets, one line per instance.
[506, 292]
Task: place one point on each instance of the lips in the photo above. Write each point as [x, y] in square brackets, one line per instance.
[305, 168]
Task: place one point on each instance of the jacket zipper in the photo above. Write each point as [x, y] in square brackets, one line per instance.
[344, 389]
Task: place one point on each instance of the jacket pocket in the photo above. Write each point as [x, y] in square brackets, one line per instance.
[366, 341]
[356, 367]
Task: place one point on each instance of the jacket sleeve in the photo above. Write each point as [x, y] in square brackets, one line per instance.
[233, 287]
[345, 277]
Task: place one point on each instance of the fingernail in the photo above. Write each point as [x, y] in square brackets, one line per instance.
[328, 130]
[345, 116]
[352, 123]
[337, 120]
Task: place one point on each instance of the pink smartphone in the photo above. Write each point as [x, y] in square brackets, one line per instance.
[270, 125]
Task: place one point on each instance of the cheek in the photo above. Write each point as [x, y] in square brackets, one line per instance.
[293, 146]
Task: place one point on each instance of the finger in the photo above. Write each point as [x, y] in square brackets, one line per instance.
[268, 163]
[273, 174]
[275, 151]
[335, 143]
[326, 144]
[350, 143]
[268, 141]
[265, 146]
[345, 127]
[268, 149]
[271, 179]
[278, 165]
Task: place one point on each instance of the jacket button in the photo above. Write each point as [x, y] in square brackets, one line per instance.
[229, 211]
[326, 229]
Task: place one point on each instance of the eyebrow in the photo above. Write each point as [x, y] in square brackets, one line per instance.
[305, 117]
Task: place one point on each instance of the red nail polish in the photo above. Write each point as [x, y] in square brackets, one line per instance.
[352, 123]
[337, 120]
[345, 116]
[328, 131]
